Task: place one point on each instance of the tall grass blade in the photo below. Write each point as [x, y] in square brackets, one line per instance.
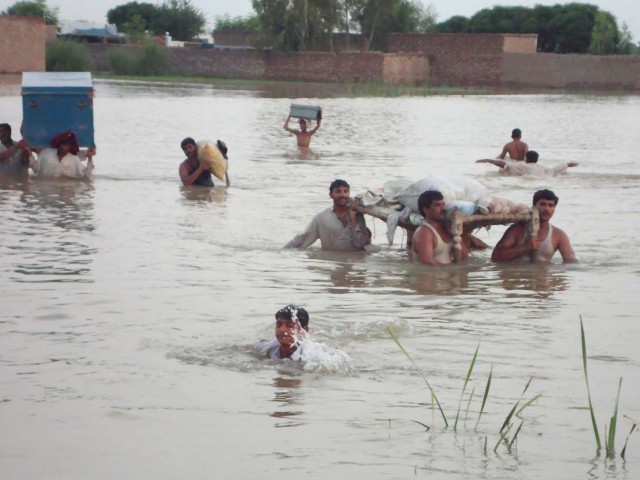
[586, 379]
[415, 365]
[624, 449]
[611, 440]
[464, 387]
[527, 404]
[503, 437]
[513, 410]
[515, 435]
[484, 398]
[466, 412]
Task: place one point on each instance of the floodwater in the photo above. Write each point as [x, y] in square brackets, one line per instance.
[127, 305]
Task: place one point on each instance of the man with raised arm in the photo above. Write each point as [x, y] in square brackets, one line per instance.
[303, 136]
[529, 167]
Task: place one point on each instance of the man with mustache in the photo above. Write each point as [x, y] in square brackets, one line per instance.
[339, 227]
[517, 245]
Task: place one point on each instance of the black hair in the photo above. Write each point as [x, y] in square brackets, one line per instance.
[427, 198]
[294, 312]
[516, 133]
[338, 183]
[187, 141]
[545, 195]
[7, 126]
[531, 156]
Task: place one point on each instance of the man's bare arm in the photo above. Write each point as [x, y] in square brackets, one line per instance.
[506, 249]
[190, 179]
[497, 163]
[287, 127]
[565, 249]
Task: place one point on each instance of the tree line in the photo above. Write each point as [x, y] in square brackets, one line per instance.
[298, 25]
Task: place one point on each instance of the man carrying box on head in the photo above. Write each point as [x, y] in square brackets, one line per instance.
[303, 136]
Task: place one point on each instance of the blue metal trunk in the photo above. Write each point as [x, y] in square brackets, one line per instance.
[56, 102]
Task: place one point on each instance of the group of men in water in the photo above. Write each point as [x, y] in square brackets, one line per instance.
[62, 159]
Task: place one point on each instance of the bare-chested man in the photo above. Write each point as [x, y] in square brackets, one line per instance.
[517, 245]
[303, 136]
[516, 148]
[432, 241]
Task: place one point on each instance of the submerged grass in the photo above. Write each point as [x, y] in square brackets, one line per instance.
[464, 387]
[415, 365]
[518, 408]
[586, 378]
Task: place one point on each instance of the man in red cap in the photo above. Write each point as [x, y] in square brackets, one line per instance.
[64, 159]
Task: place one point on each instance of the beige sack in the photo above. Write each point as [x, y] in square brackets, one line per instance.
[212, 158]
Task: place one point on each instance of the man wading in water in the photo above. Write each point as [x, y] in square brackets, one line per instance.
[303, 135]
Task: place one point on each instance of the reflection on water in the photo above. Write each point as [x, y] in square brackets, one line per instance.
[439, 280]
[287, 395]
[50, 221]
[539, 279]
[197, 193]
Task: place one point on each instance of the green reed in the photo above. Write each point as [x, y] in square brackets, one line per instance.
[415, 365]
[484, 398]
[586, 378]
[464, 387]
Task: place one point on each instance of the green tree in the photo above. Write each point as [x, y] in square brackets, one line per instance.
[604, 36]
[123, 14]
[180, 18]
[242, 23]
[455, 24]
[380, 18]
[34, 8]
[135, 28]
[625, 42]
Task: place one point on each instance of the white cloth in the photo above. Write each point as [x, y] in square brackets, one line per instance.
[443, 251]
[545, 251]
[70, 166]
[333, 235]
[15, 163]
[271, 349]
[531, 169]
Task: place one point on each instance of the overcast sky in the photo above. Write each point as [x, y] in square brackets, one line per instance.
[96, 10]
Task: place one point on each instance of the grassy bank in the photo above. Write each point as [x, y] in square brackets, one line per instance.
[309, 89]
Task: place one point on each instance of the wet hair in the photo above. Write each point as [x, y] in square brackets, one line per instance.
[7, 126]
[294, 312]
[427, 198]
[516, 133]
[338, 183]
[545, 195]
[187, 141]
[531, 156]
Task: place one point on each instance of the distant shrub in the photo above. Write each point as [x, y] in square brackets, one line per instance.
[150, 60]
[67, 56]
[153, 60]
[123, 62]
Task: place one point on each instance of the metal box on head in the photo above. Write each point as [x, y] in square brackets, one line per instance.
[308, 112]
[56, 102]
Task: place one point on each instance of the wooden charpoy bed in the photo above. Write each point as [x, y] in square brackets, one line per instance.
[459, 224]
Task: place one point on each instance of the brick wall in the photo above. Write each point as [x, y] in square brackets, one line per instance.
[22, 44]
[549, 70]
[302, 66]
[405, 69]
[456, 59]
[234, 38]
[242, 38]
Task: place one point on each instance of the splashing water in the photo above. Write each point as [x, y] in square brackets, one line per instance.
[318, 357]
